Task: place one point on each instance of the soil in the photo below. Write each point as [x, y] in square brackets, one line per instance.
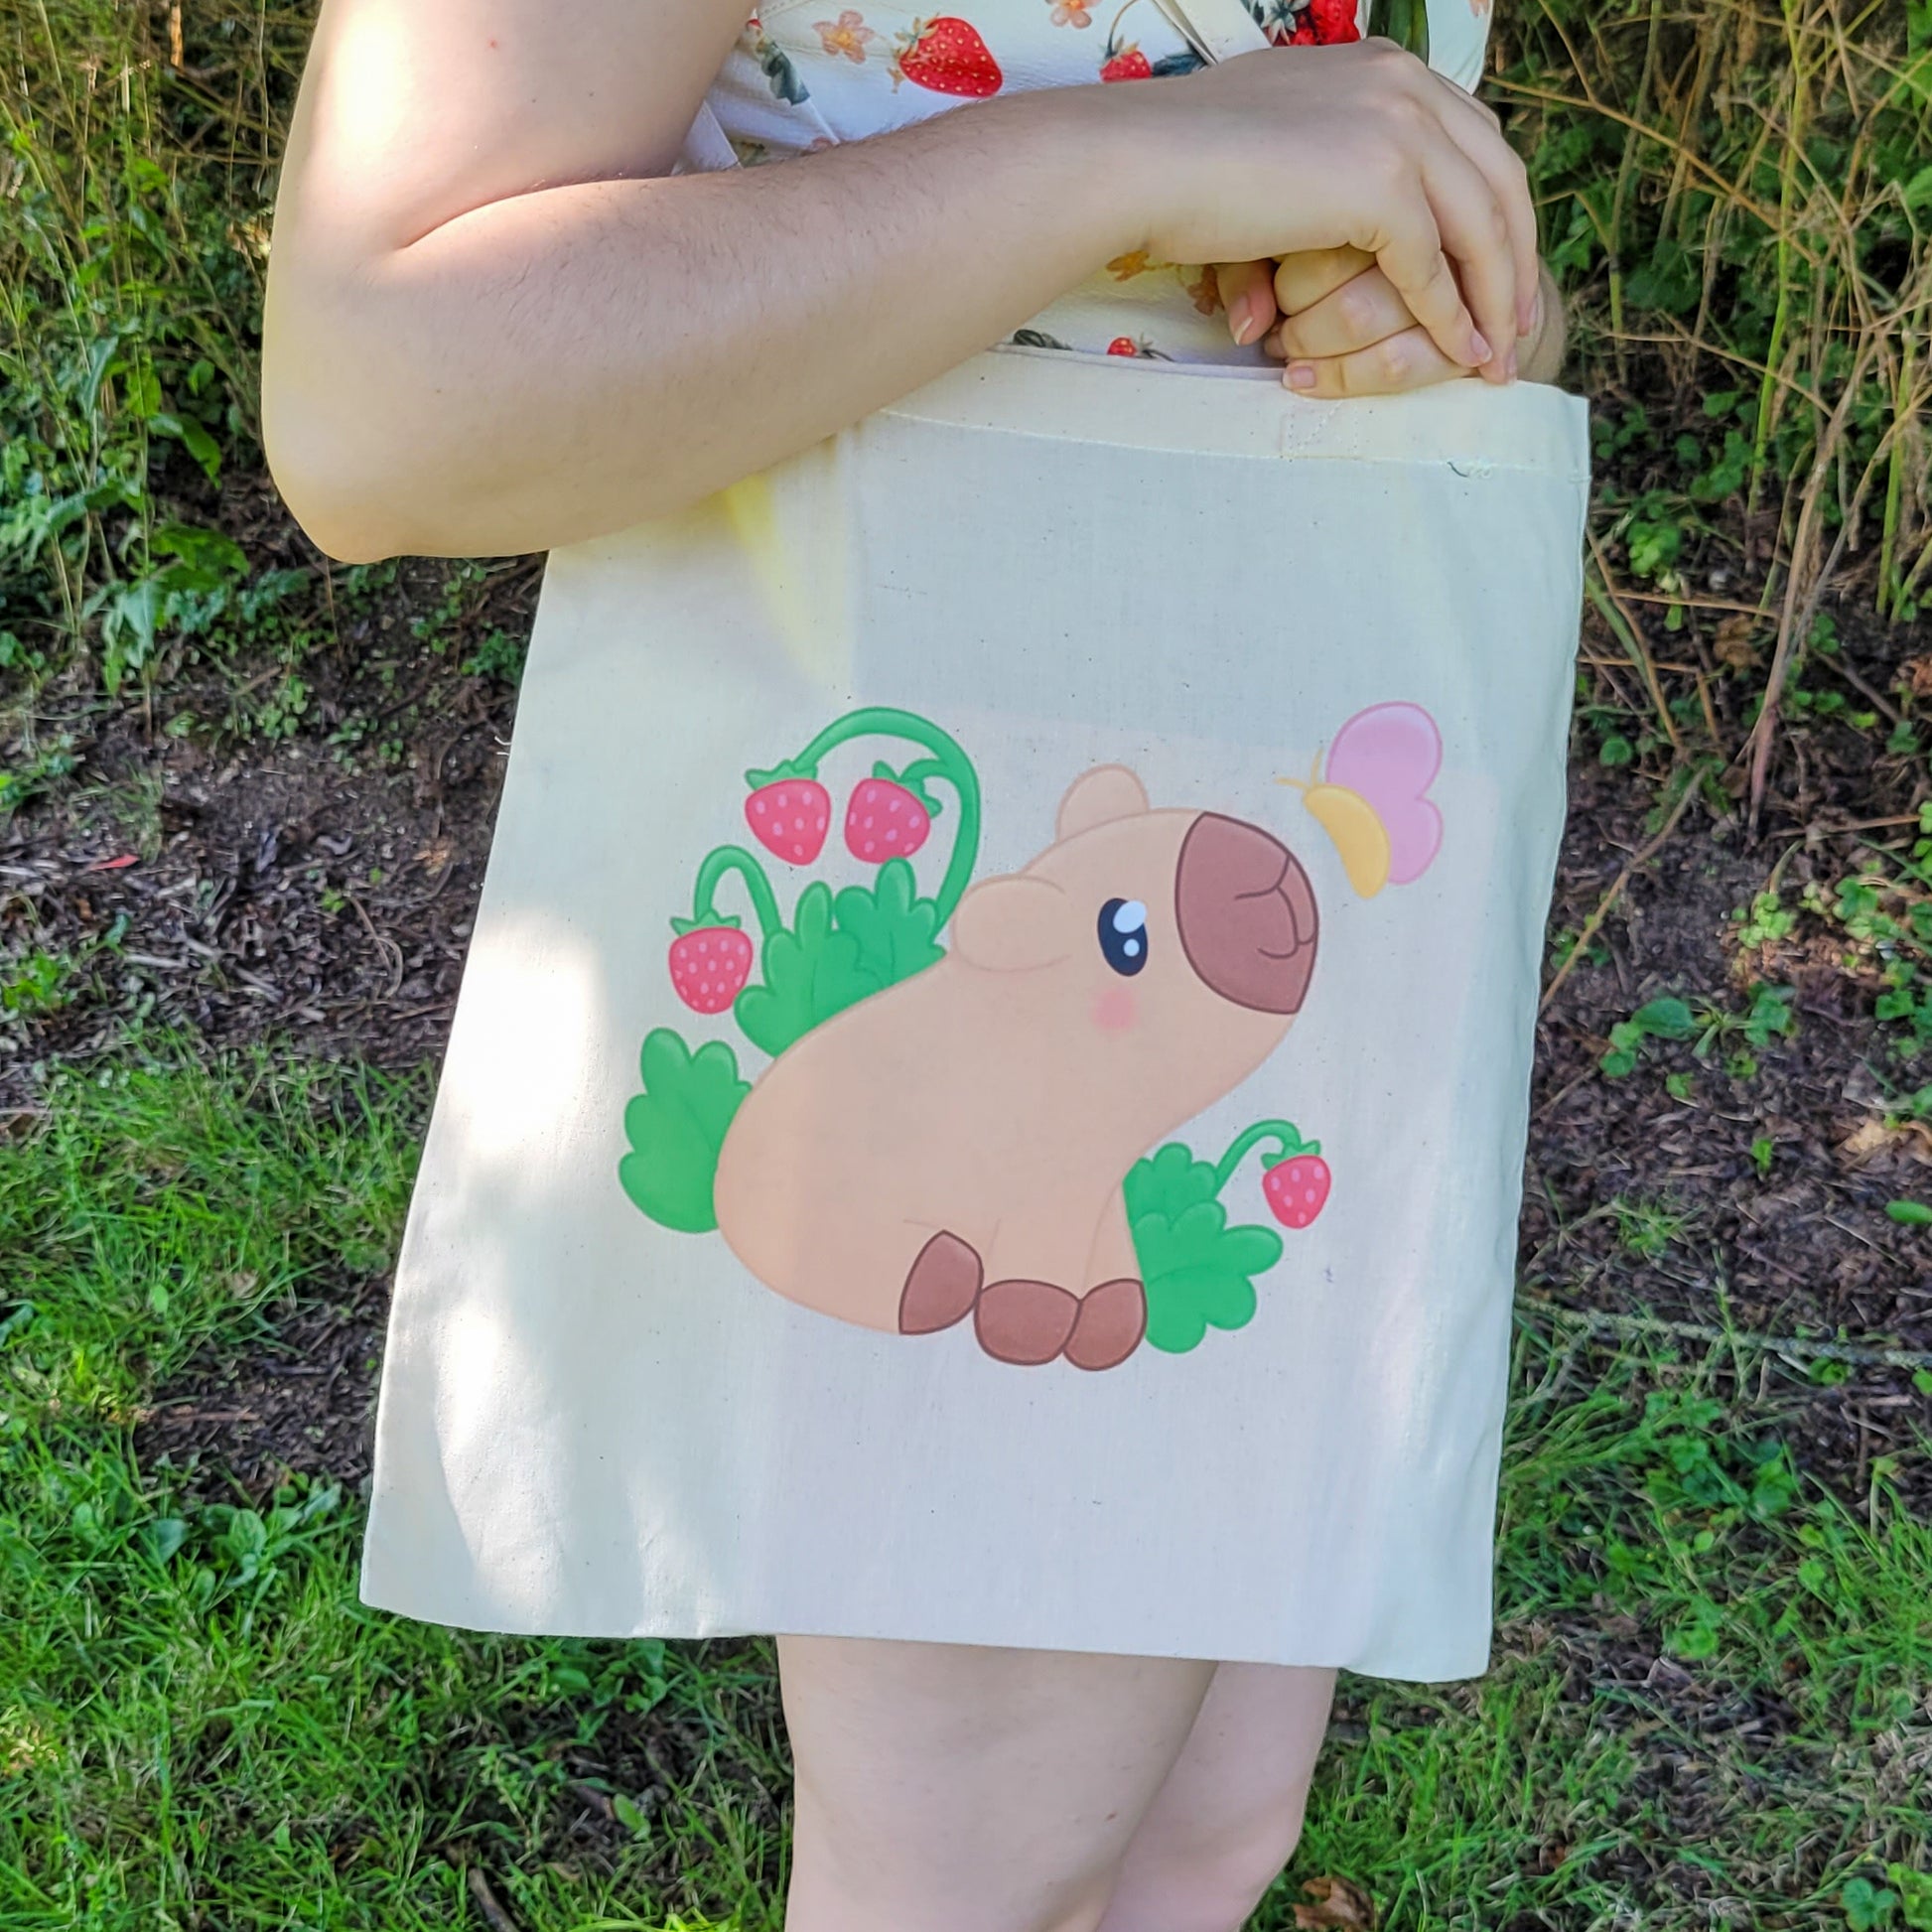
[295, 890]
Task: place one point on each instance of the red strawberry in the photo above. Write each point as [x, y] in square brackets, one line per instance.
[710, 965]
[1130, 64]
[789, 819]
[884, 821]
[1333, 22]
[1297, 1188]
[947, 55]
[1123, 345]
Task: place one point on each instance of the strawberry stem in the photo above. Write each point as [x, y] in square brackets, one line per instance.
[1284, 1132]
[711, 875]
[948, 761]
[913, 778]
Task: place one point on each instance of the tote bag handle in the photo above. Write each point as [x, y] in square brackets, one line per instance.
[1217, 30]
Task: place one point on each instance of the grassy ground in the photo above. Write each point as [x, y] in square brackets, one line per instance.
[244, 803]
[1709, 1701]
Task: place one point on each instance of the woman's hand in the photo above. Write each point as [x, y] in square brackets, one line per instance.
[1343, 329]
[1354, 148]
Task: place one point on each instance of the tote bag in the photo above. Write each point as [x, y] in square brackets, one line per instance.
[988, 1096]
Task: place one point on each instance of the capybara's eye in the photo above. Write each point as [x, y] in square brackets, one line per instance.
[1123, 935]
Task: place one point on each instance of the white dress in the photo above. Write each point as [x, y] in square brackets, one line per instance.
[988, 1097]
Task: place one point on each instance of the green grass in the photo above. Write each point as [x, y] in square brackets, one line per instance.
[1714, 1679]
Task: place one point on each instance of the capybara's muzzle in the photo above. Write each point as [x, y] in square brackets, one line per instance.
[1246, 912]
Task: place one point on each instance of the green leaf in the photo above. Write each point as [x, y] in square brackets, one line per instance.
[162, 1537]
[808, 974]
[1199, 1272]
[141, 391]
[1909, 1214]
[891, 924]
[1167, 1182]
[206, 550]
[1665, 1019]
[1866, 1906]
[193, 438]
[676, 1127]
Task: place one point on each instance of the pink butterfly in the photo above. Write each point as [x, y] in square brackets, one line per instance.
[1373, 800]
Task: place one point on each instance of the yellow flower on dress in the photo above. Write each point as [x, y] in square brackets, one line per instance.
[1071, 13]
[847, 34]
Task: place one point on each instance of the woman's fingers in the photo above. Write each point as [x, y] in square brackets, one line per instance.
[1362, 312]
[1408, 360]
[1475, 129]
[1300, 281]
[1474, 232]
[1407, 247]
[1248, 297]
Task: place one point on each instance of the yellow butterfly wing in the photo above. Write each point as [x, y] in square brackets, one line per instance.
[1351, 822]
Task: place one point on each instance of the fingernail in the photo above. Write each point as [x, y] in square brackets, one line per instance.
[1509, 367]
[1301, 375]
[1480, 348]
[1241, 318]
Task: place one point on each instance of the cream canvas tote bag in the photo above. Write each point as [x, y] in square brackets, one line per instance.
[989, 1092]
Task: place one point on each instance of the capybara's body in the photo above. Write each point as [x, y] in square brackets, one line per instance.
[956, 1144]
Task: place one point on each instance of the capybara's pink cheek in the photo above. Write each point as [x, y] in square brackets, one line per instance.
[1114, 1010]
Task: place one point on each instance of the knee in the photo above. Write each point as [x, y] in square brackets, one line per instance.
[1211, 1878]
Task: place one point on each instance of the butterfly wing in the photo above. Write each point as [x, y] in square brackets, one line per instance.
[1389, 754]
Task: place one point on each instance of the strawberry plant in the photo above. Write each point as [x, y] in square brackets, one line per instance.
[839, 947]
[1199, 1273]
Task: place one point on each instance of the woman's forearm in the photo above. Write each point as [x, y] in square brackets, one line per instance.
[558, 364]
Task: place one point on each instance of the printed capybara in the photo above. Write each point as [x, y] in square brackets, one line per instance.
[955, 1145]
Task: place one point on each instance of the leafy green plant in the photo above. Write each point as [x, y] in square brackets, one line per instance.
[676, 1127]
[1663, 1019]
[1199, 1270]
[1768, 1019]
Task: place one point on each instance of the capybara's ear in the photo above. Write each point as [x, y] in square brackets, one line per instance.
[1107, 792]
[1014, 924]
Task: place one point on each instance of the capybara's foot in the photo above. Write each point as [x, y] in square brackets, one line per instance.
[1108, 1324]
[1024, 1321]
[941, 1286]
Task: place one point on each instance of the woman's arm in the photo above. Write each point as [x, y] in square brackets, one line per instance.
[494, 326]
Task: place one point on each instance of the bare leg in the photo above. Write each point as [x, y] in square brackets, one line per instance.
[953, 1788]
[1229, 1815]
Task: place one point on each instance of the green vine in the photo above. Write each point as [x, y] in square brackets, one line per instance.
[1281, 1132]
[717, 866]
[946, 761]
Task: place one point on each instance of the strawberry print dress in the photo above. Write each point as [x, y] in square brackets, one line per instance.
[807, 75]
[988, 1095]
